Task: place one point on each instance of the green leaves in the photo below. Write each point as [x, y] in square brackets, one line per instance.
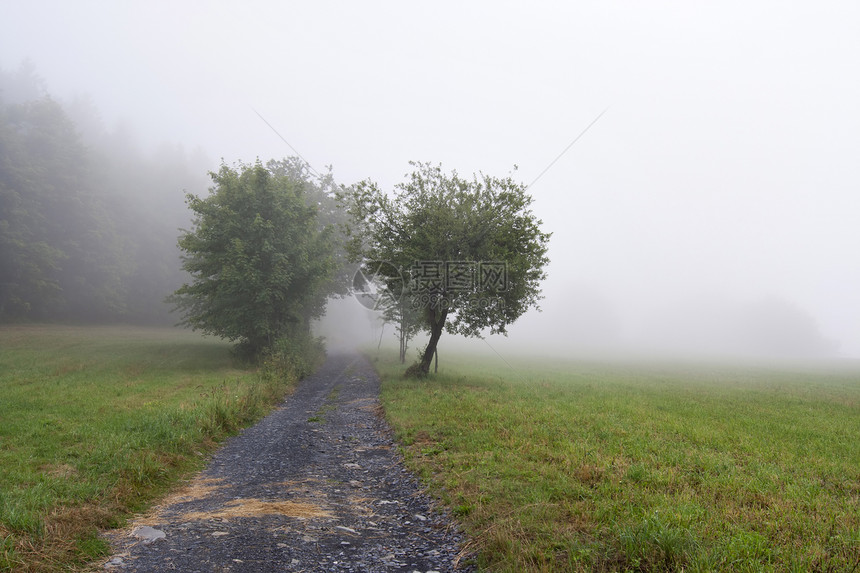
[260, 263]
[453, 227]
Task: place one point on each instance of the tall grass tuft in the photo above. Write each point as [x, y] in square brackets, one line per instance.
[655, 545]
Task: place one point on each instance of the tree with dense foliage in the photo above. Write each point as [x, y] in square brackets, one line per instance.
[320, 191]
[468, 253]
[260, 263]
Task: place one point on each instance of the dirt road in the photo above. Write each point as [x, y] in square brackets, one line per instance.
[316, 486]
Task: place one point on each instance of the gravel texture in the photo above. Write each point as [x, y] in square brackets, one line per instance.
[318, 485]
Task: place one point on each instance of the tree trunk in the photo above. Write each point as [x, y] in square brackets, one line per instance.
[404, 333]
[404, 340]
[437, 324]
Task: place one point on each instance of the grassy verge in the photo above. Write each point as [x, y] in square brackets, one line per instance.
[96, 422]
[584, 467]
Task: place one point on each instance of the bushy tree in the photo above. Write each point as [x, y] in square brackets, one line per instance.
[320, 191]
[468, 253]
[260, 263]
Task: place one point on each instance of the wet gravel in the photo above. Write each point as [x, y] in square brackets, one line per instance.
[318, 485]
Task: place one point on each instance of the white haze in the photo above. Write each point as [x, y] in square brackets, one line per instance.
[722, 184]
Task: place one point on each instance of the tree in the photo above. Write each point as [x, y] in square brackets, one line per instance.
[87, 219]
[406, 320]
[320, 192]
[468, 253]
[394, 308]
[27, 262]
[59, 255]
[258, 260]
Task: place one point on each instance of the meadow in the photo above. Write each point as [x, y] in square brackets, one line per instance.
[563, 465]
[549, 464]
[96, 422]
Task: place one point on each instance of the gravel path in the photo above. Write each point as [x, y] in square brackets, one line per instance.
[318, 485]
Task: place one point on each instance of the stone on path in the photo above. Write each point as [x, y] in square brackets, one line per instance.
[148, 534]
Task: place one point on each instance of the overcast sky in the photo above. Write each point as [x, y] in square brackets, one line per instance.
[726, 167]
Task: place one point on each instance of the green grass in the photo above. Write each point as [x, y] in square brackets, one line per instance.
[95, 422]
[571, 466]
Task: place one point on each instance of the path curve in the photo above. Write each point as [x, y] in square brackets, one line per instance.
[318, 485]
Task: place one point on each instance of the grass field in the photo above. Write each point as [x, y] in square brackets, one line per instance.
[96, 421]
[572, 466]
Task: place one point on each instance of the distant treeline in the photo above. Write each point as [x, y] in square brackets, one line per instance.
[88, 220]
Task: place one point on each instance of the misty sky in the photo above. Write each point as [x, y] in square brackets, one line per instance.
[726, 169]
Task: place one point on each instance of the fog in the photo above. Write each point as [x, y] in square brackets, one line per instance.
[712, 209]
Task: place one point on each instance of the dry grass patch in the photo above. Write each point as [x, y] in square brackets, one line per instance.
[362, 506]
[197, 489]
[61, 471]
[65, 530]
[364, 404]
[252, 507]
